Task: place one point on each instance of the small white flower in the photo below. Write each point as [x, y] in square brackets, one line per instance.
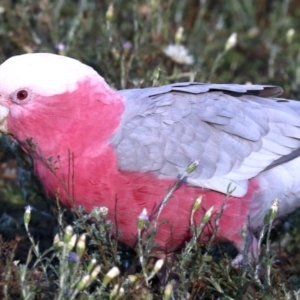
[60, 47]
[16, 262]
[103, 211]
[179, 54]
[99, 212]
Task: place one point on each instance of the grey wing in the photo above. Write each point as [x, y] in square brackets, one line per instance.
[233, 130]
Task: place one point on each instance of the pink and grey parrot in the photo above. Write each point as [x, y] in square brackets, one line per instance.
[96, 146]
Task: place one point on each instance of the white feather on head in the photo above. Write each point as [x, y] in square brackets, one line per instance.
[44, 73]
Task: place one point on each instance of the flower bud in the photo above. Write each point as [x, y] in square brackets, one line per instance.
[158, 265]
[231, 42]
[116, 292]
[111, 274]
[73, 257]
[27, 215]
[290, 35]
[197, 204]
[156, 74]
[109, 13]
[142, 219]
[61, 48]
[80, 247]
[207, 215]
[68, 234]
[72, 242]
[83, 283]
[271, 215]
[179, 35]
[116, 55]
[168, 291]
[132, 278]
[57, 243]
[91, 265]
[192, 167]
[95, 273]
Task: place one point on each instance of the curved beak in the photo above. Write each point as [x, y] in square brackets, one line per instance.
[4, 111]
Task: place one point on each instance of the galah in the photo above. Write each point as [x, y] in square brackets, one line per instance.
[95, 146]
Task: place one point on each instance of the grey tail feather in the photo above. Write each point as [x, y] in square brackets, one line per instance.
[283, 159]
[295, 106]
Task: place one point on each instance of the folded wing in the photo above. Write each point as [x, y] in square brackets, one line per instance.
[235, 131]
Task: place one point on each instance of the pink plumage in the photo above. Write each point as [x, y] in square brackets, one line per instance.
[124, 149]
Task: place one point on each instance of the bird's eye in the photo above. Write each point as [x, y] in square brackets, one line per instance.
[22, 95]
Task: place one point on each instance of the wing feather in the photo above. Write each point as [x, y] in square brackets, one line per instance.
[233, 130]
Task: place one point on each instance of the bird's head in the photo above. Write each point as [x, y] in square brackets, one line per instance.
[48, 97]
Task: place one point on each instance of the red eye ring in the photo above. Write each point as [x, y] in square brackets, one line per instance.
[22, 95]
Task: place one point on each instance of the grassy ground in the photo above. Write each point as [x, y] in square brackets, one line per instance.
[137, 44]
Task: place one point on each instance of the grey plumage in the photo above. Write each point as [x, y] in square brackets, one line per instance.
[235, 131]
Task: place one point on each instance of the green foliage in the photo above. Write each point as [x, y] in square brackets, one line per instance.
[125, 44]
[84, 262]
[242, 41]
